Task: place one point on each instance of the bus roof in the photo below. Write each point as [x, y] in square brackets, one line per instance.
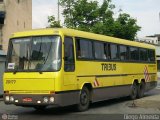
[77, 33]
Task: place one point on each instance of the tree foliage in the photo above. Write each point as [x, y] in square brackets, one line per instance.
[126, 27]
[53, 23]
[88, 15]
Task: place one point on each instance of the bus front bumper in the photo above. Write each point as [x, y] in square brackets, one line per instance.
[39, 99]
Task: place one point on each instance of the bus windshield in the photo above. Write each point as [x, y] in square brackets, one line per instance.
[35, 54]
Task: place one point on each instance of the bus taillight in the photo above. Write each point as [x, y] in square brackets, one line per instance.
[52, 92]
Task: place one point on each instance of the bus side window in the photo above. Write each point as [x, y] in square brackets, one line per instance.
[151, 55]
[109, 51]
[84, 48]
[99, 51]
[69, 63]
[114, 52]
[123, 52]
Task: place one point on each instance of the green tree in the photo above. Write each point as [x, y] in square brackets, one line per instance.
[88, 15]
[53, 23]
[125, 27]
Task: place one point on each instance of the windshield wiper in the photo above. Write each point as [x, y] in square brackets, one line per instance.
[45, 60]
[15, 70]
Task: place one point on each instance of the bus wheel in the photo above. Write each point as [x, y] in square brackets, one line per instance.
[84, 99]
[134, 91]
[141, 90]
[39, 108]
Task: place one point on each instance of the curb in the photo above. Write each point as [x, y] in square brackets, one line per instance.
[147, 103]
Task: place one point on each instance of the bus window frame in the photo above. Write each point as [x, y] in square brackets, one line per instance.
[130, 54]
[126, 59]
[117, 45]
[140, 54]
[10, 48]
[111, 60]
[105, 52]
[76, 44]
[73, 53]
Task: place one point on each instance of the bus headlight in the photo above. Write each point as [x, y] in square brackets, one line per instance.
[11, 98]
[45, 99]
[7, 98]
[51, 99]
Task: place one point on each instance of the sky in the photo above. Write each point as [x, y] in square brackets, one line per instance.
[146, 12]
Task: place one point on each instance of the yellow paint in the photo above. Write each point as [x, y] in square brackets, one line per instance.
[36, 83]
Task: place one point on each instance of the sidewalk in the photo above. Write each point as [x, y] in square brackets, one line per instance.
[149, 102]
[152, 101]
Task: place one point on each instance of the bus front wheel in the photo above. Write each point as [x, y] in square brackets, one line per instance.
[84, 99]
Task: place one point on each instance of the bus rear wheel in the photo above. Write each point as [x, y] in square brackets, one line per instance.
[134, 91]
[141, 90]
[84, 99]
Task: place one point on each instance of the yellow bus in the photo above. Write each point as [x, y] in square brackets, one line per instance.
[61, 67]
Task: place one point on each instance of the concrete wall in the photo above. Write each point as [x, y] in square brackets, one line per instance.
[18, 18]
[158, 50]
[150, 40]
[2, 11]
[2, 68]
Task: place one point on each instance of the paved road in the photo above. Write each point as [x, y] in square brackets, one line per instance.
[111, 109]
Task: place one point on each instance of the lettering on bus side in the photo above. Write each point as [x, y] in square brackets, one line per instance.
[10, 81]
[108, 67]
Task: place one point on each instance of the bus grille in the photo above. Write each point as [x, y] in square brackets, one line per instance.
[30, 92]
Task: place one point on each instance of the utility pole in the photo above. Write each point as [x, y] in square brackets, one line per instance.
[159, 16]
[58, 11]
[70, 13]
[159, 36]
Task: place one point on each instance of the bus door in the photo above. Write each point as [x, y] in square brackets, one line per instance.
[69, 63]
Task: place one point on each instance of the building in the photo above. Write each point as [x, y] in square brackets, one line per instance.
[158, 51]
[154, 40]
[15, 15]
[2, 16]
[149, 39]
[158, 36]
[2, 68]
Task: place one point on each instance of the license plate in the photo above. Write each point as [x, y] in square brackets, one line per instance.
[27, 99]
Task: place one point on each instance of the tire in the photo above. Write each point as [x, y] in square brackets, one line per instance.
[134, 91]
[84, 100]
[141, 90]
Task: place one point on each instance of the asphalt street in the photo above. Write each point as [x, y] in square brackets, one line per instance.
[114, 109]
